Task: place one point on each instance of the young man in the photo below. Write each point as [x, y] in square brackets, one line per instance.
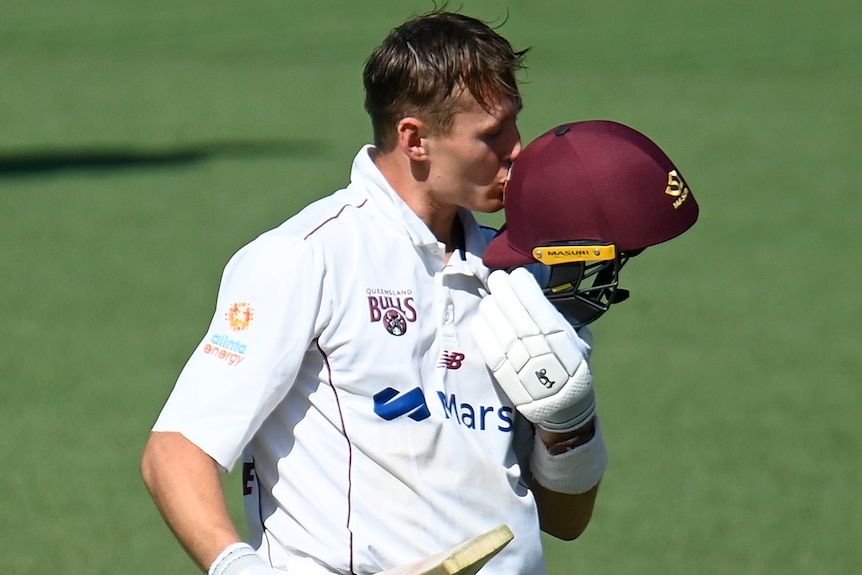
[340, 366]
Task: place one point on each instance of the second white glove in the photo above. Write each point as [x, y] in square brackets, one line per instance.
[240, 559]
[536, 356]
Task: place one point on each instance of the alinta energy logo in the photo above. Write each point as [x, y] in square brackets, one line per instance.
[239, 316]
[223, 346]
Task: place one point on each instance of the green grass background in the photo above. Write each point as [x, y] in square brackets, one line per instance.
[141, 143]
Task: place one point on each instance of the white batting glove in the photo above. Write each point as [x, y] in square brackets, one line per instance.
[240, 559]
[536, 356]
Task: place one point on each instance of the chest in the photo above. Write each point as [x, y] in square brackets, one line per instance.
[403, 322]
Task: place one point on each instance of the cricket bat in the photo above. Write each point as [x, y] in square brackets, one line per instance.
[464, 559]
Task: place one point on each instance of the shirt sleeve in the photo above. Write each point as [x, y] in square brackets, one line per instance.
[267, 315]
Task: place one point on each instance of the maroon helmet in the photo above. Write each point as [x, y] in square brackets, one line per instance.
[582, 199]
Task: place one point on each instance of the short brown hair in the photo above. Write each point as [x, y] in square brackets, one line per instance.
[426, 61]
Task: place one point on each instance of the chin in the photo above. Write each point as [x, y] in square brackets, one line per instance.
[489, 207]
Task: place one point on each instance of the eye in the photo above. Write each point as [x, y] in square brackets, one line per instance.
[493, 132]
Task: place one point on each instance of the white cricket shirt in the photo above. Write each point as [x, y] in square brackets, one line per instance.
[340, 367]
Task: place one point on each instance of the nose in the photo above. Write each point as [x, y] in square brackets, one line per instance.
[516, 151]
[513, 155]
[516, 148]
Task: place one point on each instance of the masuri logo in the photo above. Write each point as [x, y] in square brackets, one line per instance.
[676, 188]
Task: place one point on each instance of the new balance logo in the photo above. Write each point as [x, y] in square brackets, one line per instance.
[388, 404]
[451, 360]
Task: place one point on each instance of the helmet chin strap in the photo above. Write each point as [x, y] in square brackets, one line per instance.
[620, 295]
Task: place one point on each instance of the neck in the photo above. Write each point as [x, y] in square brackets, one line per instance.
[442, 220]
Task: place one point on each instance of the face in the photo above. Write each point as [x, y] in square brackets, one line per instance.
[469, 165]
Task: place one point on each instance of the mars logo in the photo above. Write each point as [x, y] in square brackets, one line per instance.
[239, 316]
[390, 404]
[395, 313]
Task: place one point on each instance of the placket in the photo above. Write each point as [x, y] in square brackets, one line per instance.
[445, 309]
[449, 351]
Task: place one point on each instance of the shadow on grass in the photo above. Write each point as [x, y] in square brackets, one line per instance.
[54, 160]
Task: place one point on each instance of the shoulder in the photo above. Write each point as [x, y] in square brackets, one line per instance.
[299, 240]
[339, 207]
[344, 208]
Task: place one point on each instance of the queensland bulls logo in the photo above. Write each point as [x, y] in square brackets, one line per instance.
[394, 322]
[393, 308]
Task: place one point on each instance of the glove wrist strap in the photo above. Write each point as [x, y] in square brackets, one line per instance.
[573, 417]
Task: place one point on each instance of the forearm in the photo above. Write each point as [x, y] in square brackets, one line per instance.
[185, 484]
[541, 363]
[563, 515]
[566, 515]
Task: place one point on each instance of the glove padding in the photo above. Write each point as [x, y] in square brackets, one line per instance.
[536, 356]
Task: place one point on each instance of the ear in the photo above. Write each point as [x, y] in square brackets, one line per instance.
[410, 132]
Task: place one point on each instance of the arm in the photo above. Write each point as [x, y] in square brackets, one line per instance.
[185, 484]
[541, 363]
[564, 515]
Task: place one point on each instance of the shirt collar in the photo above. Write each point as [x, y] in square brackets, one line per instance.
[366, 173]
